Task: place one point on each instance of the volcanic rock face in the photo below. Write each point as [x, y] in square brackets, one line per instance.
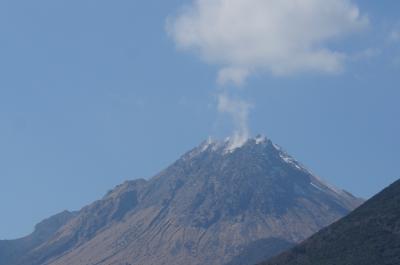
[207, 208]
[369, 236]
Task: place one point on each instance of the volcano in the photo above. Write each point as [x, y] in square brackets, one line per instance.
[217, 204]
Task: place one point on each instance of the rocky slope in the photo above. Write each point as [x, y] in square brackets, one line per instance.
[210, 206]
[368, 236]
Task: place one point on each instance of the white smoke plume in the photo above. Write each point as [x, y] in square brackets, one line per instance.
[238, 109]
[279, 37]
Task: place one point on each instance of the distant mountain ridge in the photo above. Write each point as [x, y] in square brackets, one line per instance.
[12, 250]
[209, 207]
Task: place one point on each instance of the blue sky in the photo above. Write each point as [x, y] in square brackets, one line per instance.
[93, 93]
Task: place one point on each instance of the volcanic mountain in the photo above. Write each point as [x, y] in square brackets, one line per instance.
[217, 204]
[368, 236]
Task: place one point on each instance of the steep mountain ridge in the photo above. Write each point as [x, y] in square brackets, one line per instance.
[368, 236]
[206, 208]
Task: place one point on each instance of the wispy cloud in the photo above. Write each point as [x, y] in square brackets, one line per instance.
[366, 54]
[237, 76]
[394, 35]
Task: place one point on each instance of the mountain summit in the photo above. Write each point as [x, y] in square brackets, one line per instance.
[211, 206]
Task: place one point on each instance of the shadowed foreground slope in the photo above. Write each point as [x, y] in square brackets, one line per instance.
[368, 236]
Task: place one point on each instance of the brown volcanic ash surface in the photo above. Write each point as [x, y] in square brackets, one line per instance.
[213, 206]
